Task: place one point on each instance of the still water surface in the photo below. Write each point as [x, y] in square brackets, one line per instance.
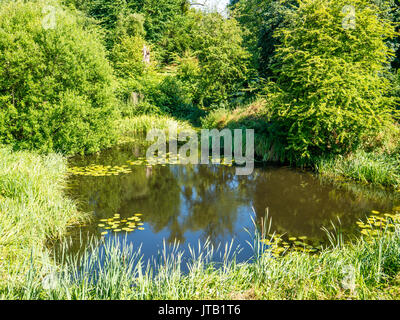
[188, 203]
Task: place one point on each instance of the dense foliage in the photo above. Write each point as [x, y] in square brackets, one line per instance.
[56, 85]
[329, 89]
[157, 13]
[325, 87]
[214, 57]
[261, 18]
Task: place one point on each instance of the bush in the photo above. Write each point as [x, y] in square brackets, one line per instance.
[173, 97]
[56, 85]
[127, 56]
[330, 87]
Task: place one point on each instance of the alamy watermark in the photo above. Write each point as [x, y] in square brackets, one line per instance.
[49, 18]
[349, 21]
[238, 147]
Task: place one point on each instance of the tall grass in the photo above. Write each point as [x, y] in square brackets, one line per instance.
[253, 116]
[33, 209]
[115, 270]
[130, 129]
[378, 169]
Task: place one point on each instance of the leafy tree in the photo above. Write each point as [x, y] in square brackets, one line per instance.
[105, 11]
[390, 9]
[56, 85]
[261, 18]
[129, 42]
[330, 88]
[157, 13]
[215, 45]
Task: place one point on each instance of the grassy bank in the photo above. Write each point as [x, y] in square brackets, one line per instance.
[130, 129]
[378, 169]
[365, 269]
[252, 116]
[376, 162]
[33, 209]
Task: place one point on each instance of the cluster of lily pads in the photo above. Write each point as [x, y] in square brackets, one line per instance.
[378, 222]
[162, 159]
[118, 224]
[277, 245]
[97, 170]
[375, 223]
[167, 158]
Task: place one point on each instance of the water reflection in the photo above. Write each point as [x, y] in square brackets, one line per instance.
[186, 203]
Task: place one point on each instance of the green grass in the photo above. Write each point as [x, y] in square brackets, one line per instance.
[382, 170]
[364, 269]
[130, 129]
[33, 209]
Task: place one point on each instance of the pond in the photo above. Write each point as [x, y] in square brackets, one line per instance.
[149, 204]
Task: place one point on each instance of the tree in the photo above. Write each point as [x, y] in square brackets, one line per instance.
[330, 84]
[390, 9]
[56, 85]
[159, 13]
[261, 18]
[214, 47]
[156, 13]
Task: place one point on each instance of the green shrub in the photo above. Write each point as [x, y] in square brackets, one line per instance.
[173, 96]
[127, 56]
[56, 85]
[131, 70]
[156, 13]
[211, 48]
[330, 89]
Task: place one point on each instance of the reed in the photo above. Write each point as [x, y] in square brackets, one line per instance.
[33, 209]
[378, 169]
[114, 269]
[130, 129]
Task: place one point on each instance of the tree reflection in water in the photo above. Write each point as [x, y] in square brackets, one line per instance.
[189, 202]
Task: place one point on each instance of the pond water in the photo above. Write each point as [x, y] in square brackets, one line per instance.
[192, 203]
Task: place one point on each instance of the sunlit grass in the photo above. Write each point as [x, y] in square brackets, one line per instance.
[364, 167]
[132, 128]
[33, 208]
[367, 268]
